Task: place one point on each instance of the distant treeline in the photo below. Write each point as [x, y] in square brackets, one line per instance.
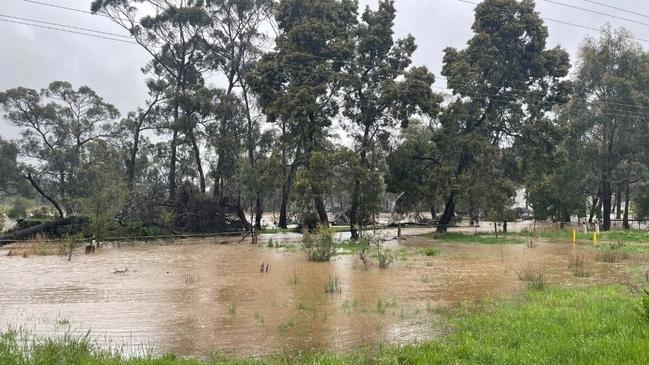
[321, 110]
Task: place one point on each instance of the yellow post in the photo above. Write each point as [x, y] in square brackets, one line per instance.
[574, 236]
[594, 238]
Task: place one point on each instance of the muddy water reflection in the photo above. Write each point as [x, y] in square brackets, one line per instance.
[193, 299]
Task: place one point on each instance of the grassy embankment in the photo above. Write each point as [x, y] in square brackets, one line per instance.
[601, 325]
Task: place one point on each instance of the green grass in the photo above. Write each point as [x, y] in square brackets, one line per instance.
[600, 325]
[485, 239]
[625, 236]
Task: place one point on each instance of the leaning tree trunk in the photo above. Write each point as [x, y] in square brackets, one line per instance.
[320, 207]
[449, 212]
[627, 197]
[56, 205]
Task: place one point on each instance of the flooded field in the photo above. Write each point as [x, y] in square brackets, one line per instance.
[199, 297]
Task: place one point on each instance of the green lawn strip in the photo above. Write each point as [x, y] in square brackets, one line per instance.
[485, 239]
[599, 325]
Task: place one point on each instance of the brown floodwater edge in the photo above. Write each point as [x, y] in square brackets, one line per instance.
[198, 297]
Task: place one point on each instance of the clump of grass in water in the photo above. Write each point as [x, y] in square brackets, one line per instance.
[431, 251]
[270, 243]
[424, 278]
[295, 278]
[380, 306]
[333, 285]
[232, 309]
[579, 268]
[612, 254]
[534, 278]
[284, 327]
[189, 278]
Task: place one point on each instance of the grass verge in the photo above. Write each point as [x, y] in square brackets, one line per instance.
[600, 325]
[485, 239]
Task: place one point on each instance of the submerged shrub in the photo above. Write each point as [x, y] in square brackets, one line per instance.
[319, 246]
[384, 256]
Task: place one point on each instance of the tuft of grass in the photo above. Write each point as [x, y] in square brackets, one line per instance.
[431, 251]
[380, 306]
[534, 278]
[579, 267]
[333, 285]
[284, 327]
[294, 279]
[189, 278]
[612, 255]
[232, 309]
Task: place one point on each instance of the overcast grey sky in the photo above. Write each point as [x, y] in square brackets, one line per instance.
[33, 57]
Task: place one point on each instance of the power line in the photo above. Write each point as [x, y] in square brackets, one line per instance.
[566, 23]
[616, 8]
[67, 31]
[64, 26]
[596, 12]
[64, 7]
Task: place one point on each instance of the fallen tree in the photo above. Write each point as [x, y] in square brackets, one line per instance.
[49, 228]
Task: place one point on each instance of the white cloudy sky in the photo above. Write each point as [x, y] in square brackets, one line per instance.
[33, 57]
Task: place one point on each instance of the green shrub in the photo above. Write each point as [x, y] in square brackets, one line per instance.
[319, 246]
[644, 304]
[431, 251]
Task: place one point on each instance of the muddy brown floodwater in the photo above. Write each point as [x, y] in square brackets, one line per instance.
[195, 298]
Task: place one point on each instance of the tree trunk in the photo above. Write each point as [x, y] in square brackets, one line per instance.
[618, 202]
[606, 204]
[593, 208]
[43, 194]
[353, 212]
[242, 217]
[133, 158]
[172, 164]
[449, 212]
[197, 159]
[505, 227]
[259, 211]
[627, 197]
[286, 192]
[433, 211]
[320, 206]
